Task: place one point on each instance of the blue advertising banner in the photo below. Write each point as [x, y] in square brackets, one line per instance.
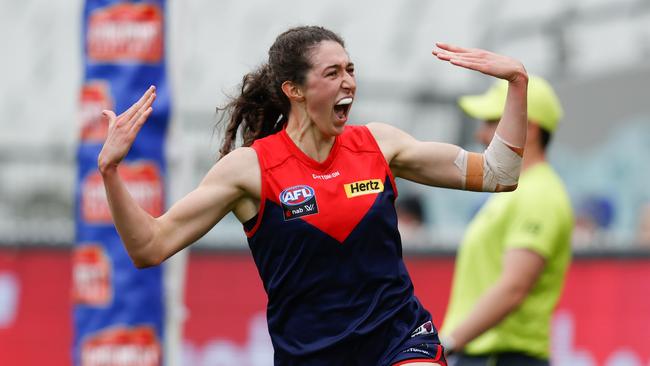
[118, 309]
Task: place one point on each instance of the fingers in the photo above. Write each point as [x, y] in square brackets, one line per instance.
[141, 120]
[109, 115]
[469, 58]
[132, 119]
[139, 104]
[441, 55]
[452, 48]
[143, 114]
[486, 62]
[454, 58]
[447, 51]
[468, 64]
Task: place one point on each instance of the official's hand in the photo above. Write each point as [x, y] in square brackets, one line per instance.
[123, 129]
[489, 63]
[448, 344]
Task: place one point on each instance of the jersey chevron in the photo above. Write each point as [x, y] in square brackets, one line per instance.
[334, 195]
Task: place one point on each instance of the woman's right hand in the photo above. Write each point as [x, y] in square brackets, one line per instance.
[123, 129]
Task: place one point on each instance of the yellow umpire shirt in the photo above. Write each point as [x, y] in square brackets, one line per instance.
[536, 216]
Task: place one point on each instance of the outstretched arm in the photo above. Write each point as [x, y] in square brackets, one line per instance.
[447, 165]
[521, 270]
[512, 126]
[150, 240]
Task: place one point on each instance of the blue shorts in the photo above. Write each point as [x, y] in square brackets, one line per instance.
[429, 350]
[370, 350]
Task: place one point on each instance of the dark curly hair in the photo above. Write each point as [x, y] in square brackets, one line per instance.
[261, 108]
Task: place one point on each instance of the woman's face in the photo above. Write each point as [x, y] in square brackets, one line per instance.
[329, 87]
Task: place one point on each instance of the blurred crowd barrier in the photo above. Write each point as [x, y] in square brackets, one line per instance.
[602, 317]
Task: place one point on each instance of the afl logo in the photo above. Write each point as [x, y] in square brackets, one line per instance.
[298, 201]
[293, 196]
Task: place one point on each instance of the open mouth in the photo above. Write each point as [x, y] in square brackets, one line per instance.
[342, 108]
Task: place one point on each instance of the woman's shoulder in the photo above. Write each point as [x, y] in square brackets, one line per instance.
[245, 153]
[238, 168]
[387, 137]
[239, 160]
[381, 130]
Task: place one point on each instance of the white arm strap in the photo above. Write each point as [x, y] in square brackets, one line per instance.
[497, 167]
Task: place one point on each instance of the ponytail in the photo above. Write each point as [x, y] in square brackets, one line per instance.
[260, 110]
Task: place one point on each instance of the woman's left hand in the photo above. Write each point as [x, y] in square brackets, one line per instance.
[489, 63]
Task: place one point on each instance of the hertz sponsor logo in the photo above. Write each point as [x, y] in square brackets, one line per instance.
[363, 187]
[126, 32]
[122, 346]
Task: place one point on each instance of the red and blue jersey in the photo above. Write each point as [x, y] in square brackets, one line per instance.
[326, 245]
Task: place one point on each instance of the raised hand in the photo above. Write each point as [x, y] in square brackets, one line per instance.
[123, 129]
[487, 62]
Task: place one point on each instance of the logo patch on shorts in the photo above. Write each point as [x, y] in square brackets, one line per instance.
[362, 187]
[298, 201]
[424, 329]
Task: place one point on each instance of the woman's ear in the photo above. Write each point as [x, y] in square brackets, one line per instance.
[292, 91]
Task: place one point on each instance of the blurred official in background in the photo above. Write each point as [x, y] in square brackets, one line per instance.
[512, 261]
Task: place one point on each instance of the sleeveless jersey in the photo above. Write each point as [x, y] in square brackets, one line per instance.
[327, 249]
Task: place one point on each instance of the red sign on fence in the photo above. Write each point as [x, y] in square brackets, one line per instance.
[143, 181]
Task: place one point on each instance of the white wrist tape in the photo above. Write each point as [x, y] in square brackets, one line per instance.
[497, 167]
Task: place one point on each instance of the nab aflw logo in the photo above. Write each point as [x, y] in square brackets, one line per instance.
[298, 201]
[363, 187]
